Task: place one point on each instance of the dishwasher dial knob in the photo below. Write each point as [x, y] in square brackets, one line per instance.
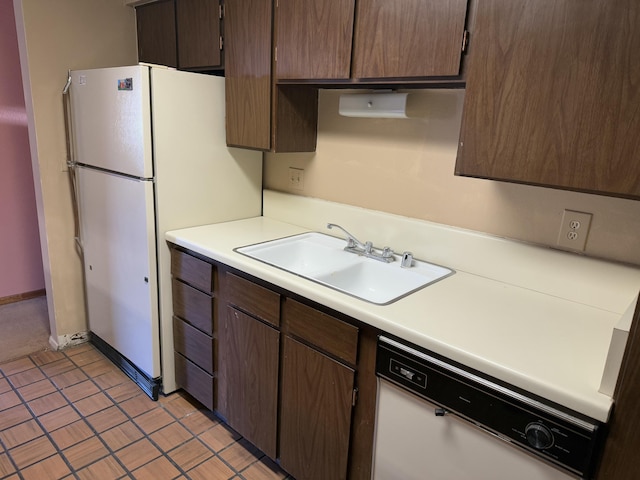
[539, 436]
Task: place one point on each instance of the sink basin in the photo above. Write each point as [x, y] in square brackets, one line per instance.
[306, 254]
[322, 259]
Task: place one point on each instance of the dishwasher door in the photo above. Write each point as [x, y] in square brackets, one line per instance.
[412, 443]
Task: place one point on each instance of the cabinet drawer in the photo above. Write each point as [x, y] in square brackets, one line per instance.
[193, 306]
[194, 380]
[254, 299]
[324, 331]
[193, 344]
[192, 270]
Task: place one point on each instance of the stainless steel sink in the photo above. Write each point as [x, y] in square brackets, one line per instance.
[322, 259]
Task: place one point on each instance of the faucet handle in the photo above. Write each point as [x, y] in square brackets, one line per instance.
[387, 252]
[407, 260]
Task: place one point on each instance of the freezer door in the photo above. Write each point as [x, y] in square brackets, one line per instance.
[111, 117]
[118, 237]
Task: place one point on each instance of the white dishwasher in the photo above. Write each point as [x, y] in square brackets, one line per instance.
[440, 421]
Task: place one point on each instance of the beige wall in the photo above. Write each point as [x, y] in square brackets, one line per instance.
[405, 166]
[55, 36]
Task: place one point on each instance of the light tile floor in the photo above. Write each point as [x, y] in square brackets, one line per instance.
[74, 415]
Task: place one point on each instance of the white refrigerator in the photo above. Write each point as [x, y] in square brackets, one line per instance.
[149, 155]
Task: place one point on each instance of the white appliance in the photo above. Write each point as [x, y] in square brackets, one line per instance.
[149, 155]
[438, 421]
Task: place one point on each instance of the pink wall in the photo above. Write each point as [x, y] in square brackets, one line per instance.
[20, 257]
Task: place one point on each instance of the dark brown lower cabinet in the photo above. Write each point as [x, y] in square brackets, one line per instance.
[315, 413]
[248, 378]
[278, 370]
[193, 344]
[193, 325]
[194, 380]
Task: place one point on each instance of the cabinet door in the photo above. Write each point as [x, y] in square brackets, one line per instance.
[248, 378]
[315, 413]
[552, 95]
[408, 38]
[247, 25]
[156, 26]
[198, 34]
[314, 39]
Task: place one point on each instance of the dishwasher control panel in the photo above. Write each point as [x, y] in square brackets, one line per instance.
[562, 437]
[405, 372]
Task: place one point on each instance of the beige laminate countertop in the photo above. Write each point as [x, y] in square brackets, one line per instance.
[550, 346]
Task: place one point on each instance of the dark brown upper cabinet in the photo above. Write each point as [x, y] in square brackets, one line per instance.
[248, 73]
[408, 38]
[313, 38]
[259, 114]
[181, 33]
[156, 28]
[390, 39]
[199, 34]
[552, 95]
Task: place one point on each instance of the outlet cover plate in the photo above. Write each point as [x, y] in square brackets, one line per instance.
[296, 178]
[574, 230]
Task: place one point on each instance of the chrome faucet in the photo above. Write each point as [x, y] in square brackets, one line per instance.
[352, 241]
[356, 246]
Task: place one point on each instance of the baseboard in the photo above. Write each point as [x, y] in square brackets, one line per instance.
[22, 296]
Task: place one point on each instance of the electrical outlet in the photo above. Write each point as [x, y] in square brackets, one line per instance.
[296, 178]
[574, 230]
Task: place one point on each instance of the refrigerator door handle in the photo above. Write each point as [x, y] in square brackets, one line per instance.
[66, 105]
[71, 164]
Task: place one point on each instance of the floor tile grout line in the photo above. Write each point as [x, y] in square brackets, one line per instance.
[59, 451]
[6, 451]
[147, 436]
[195, 436]
[36, 418]
[164, 454]
[82, 417]
[237, 474]
[126, 414]
[4, 446]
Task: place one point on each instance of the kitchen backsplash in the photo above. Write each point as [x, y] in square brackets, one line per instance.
[405, 167]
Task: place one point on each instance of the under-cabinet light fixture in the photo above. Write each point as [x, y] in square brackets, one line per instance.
[373, 105]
